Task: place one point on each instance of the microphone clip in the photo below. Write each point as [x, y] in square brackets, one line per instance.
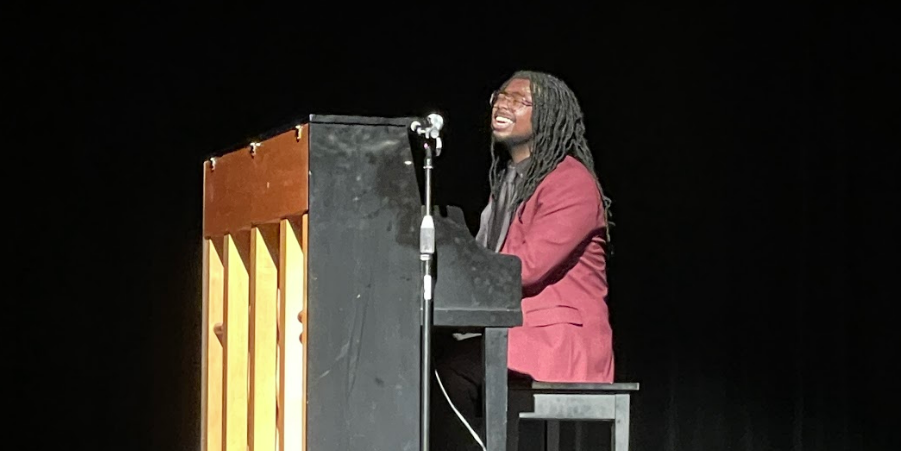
[430, 131]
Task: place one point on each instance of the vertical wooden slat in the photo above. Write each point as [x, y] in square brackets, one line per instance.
[213, 290]
[305, 245]
[263, 301]
[236, 342]
[292, 288]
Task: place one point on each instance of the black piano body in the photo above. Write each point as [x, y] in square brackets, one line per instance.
[365, 288]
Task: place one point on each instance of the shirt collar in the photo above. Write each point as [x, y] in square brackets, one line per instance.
[520, 167]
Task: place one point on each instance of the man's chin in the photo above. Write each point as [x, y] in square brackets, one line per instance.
[503, 138]
[508, 140]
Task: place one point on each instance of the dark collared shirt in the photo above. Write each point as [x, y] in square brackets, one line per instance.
[502, 209]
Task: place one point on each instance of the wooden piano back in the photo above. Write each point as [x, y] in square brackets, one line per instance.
[255, 245]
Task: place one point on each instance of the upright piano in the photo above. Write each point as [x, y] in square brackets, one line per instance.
[312, 291]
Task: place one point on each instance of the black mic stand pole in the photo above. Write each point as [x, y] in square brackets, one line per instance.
[427, 253]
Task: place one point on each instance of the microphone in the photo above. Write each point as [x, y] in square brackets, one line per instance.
[433, 130]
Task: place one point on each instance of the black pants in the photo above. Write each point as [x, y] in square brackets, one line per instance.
[462, 371]
[461, 367]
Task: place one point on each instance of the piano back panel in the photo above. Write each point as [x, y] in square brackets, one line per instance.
[255, 239]
[364, 289]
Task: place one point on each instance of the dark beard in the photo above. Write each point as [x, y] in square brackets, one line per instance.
[510, 142]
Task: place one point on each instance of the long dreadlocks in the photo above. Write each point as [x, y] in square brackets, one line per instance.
[559, 130]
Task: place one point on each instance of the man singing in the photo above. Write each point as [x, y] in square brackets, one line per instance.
[547, 208]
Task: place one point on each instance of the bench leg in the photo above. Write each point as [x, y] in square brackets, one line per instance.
[621, 424]
[552, 435]
[579, 435]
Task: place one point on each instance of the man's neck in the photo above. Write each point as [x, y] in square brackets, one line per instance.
[520, 153]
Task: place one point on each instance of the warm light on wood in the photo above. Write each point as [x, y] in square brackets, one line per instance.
[237, 303]
[211, 386]
[292, 286]
[254, 298]
[264, 310]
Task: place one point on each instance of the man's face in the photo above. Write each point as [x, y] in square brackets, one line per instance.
[511, 113]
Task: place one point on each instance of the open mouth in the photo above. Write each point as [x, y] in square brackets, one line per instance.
[501, 122]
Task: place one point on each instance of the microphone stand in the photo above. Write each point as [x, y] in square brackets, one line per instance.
[427, 253]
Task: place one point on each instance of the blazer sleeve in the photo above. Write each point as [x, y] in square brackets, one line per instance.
[567, 213]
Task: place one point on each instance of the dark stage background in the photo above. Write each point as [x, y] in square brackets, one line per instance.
[748, 151]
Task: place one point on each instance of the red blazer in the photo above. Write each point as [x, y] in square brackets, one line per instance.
[559, 236]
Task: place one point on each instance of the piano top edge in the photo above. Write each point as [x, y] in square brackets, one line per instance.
[399, 121]
[286, 126]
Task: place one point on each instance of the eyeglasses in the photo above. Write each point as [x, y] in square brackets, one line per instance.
[513, 100]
